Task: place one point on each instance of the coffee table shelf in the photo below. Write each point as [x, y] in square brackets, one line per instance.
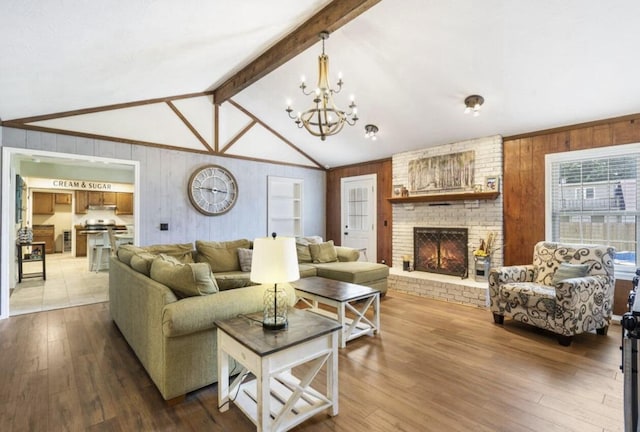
[343, 297]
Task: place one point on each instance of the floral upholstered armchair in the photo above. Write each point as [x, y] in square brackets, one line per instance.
[568, 289]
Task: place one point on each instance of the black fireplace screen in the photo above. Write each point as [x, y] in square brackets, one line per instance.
[440, 250]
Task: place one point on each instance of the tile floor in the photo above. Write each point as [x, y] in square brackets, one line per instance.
[69, 283]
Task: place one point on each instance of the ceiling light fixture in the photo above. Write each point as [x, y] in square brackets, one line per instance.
[324, 118]
[370, 131]
[473, 104]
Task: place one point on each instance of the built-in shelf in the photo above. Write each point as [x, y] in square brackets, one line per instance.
[284, 206]
[464, 196]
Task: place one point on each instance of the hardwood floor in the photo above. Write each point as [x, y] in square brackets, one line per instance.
[435, 367]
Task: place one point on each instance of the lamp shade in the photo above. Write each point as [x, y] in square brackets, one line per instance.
[274, 260]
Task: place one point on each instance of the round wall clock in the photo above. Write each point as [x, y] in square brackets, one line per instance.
[213, 190]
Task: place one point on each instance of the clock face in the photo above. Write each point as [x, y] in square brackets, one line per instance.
[212, 190]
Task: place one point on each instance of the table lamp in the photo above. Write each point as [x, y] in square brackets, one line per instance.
[274, 261]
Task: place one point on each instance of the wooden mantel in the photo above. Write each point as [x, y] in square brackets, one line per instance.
[464, 196]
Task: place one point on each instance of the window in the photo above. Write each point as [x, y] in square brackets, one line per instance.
[592, 197]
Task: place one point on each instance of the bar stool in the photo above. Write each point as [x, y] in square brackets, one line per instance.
[96, 265]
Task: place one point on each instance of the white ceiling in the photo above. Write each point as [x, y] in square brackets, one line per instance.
[410, 63]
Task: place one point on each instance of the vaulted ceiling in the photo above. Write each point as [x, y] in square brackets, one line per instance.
[214, 76]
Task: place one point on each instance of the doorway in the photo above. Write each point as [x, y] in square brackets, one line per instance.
[358, 215]
[83, 168]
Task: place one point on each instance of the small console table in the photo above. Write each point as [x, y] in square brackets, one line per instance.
[42, 256]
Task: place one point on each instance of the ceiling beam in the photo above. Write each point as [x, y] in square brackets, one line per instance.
[330, 18]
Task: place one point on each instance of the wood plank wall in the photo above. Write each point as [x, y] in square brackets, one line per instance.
[524, 177]
[385, 216]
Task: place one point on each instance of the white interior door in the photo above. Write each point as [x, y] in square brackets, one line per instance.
[358, 206]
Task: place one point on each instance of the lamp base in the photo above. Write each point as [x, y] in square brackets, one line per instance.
[274, 326]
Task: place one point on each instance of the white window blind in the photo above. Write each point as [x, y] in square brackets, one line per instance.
[592, 197]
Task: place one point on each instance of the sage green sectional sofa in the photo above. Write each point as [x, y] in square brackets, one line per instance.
[166, 298]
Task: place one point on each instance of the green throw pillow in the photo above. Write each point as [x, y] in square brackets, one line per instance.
[302, 248]
[185, 280]
[221, 256]
[126, 252]
[569, 271]
[323, 252]
[141, 262]
[181, 251]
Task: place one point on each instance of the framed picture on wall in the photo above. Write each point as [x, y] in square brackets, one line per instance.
[492, 183]
[397, 190]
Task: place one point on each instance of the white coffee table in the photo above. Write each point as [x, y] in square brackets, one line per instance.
[270, 356]
[343, 296]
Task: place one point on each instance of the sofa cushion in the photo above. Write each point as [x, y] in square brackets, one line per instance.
[232, 280]
[221, 256]
[530, 299]
[245, 256]
[569, 271]
[181, 251]
[141, 262]
[126, 252]
[323, 252]
[358, 272]
[307, 270]
[185, 280]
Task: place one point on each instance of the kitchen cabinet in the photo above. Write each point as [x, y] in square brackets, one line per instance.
[101, 198]
[82, 201]
[81, 241]
[63, 198]
[94, 198]
[43, 203]
[124, 203]
[46, 234]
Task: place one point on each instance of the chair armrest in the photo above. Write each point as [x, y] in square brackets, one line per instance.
[583, 304]
[510, 274]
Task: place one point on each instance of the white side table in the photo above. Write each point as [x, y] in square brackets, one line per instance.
[270, 357]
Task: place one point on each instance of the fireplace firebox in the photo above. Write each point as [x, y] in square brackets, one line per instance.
[441, 250]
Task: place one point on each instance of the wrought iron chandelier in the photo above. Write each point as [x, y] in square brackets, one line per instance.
[324, 118]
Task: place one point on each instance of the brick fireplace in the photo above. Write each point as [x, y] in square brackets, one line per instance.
[477, 217]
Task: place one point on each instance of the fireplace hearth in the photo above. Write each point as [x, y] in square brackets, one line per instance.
[441, 250]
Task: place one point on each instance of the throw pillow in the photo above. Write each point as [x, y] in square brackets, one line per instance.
[181, 251]
[302, 247]
[221, 256]
[185, 280]
[141, 262]
[569, 271]
[304, 255]
[245, 256]
[126, 252]
[323, 252]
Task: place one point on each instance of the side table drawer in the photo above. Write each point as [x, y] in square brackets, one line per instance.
[241, 353]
